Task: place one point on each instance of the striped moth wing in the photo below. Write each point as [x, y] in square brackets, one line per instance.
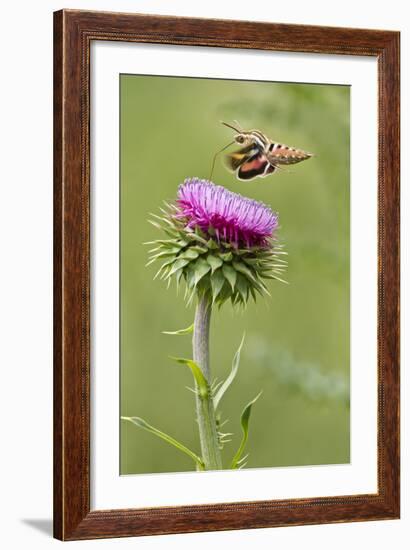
[256, 166]
[235, 159]
[249, 163]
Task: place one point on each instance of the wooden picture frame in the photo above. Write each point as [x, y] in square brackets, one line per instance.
[74, 32]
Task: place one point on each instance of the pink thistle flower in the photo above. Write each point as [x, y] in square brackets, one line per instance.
[229, 216]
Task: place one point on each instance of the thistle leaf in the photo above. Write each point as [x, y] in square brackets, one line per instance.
[212, 245]
[178, 276]
[227, 256]
[182, 243]
[189, 275]
[230, 275]
[178, 264]
[188, 254]
[164, 265]
[201, 382]
[164, 220]
[164, 242]
[199, 249]
[261, 287]
[196, 237]
[242, 268]
[235, 365]
[253, 294]
[161, 255]
[181, 332]
[282, 280]
[147, 427]
[252, 261]
[214, 262]
[225, 294]
[170, 232]
[200, 268]
[246, 413]
[242, 287]
[217, 282]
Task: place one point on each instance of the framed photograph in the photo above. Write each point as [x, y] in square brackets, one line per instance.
[226, 275]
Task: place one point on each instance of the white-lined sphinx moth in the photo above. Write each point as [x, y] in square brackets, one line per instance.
[259, 156]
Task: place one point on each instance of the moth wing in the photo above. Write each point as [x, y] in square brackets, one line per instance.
[235, 159]
[270, 170]
[254, 167]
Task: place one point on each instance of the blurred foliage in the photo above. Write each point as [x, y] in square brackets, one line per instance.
[297, 345]
[299, 376]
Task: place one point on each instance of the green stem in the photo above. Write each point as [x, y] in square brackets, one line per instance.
[211, 454]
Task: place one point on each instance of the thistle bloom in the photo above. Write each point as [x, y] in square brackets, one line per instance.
[229, 216]
[223, 245]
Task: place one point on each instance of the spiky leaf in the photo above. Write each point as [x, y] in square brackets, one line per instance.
[202, 384]
[182, 332]
[214, 262]
[217, 282]
[235, 365]
[188, 254]
[242, 287]
[242, 268]
[230, 275]
[178, 264]
[226, 256]
[212, 245]
[201, 268]
[246, 413]
[137, 421]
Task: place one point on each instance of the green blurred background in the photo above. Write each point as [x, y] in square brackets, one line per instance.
[297, 342]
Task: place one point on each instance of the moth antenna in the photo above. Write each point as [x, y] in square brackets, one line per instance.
[238, 125]
[216, 154]
[238, 129]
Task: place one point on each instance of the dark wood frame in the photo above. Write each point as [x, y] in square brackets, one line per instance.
[73, 33]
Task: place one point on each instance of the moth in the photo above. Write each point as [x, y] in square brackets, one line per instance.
[258, 156]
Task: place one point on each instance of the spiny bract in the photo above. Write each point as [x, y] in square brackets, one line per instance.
[220, 243]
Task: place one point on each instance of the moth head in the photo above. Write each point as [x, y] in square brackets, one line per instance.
[241, 138]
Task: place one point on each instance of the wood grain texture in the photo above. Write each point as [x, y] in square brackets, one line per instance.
[73, 33]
